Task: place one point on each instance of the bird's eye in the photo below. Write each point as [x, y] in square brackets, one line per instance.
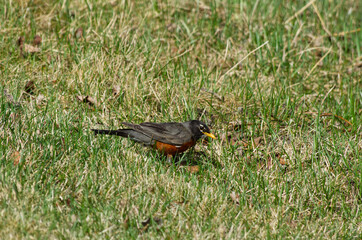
[202, 128]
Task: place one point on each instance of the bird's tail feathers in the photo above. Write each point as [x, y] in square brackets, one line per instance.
[121, 132]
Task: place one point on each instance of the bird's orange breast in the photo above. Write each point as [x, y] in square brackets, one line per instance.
[169, 149]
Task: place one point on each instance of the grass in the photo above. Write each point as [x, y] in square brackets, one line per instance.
[287, 161]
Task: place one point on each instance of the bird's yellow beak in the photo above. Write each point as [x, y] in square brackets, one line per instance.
[209, 135]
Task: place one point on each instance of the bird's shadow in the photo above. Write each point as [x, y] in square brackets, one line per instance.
[189, 158]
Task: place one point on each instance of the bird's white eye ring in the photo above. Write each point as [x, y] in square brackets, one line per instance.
[202, 127]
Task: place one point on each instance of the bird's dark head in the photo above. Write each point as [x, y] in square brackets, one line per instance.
[200, 129]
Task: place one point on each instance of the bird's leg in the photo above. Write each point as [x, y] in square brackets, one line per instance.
[169, 158]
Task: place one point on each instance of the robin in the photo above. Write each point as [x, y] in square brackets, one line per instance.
[169, 138]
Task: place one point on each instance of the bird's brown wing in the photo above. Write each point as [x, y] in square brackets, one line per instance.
[170, 133]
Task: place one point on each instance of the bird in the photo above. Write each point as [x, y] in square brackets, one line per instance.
[169, 138]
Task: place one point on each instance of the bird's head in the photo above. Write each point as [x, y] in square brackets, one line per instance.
[200, 129]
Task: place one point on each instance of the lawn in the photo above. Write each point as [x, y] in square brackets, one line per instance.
[278, 82]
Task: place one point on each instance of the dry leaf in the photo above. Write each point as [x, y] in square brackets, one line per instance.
[203, 7]
[178, 202]
[125, 223]
[15, 156]
[78, 33]
[269, 162]
[205, 141]
[225, 65]
[282, 161]
[146, 222]
[225, 138]
[260, 166]
[31, 49]
[116, 90]
[222, 229]
[157, 220]
[40, 99]
[30, 87]
[358, 64]
[8, 96]
[236, 125]
[234, 139]
[235, 197]
[214, 94]
[20, 41]
[151, 190]
[91, 101]
[81, 98]
[123, 203]
[63, 143]
[37, 40]
[73, 218]
[171, 27]
[87, 99]
[257, 141]
[113, 3]
[240, 151]
[174, 49]
[244, 143]
[72, 14]
[318, 41]
[193, 169]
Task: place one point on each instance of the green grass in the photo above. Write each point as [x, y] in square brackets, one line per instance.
[291, 110]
